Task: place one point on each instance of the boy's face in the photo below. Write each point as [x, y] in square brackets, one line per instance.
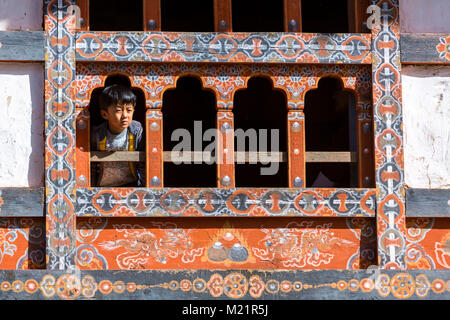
[119, 117]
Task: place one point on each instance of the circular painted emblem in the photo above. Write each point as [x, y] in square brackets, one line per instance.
[141, 201]
[235, 285]
[275, 202]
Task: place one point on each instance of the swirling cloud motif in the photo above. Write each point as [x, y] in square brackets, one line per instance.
[88, 257]
[142, 247]
[442, 251]
[299, 245]
[7, 246]
[417, 258]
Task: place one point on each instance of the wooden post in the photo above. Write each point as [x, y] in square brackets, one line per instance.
[357, 15]
[84, 14]
[152, 15]
[293, 15]
[154, 162]
[366, 165]
[387, 102]
[60, 135]
[296, 149]
[222, 16]
[225, 149]
[83, 164]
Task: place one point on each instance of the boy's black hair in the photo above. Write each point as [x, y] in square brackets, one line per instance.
[116, 94]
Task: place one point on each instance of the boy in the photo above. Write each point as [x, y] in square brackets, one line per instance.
[118, 132]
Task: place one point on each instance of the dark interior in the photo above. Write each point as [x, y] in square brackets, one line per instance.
[325, 16]
[116, 15]
[187, 103]
[187, 16]
[257, 16]
[330, 125]
[259, 106]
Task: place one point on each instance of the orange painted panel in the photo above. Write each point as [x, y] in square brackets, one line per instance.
[428, 243]
[22, 243]
[265, 243]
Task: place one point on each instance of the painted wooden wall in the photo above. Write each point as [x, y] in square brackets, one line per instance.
[218, 243]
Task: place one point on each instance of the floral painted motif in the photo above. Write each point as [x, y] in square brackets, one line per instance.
[444, 48]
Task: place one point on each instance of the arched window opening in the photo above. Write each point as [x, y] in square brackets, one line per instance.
[107, 15]
[260, 107]
[254, 16]
[94, 109]
[96, 119]
[330, 126]
[187, 16]
[325, 16]
[189, 120]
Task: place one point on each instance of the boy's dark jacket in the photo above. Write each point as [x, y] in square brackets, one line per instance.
[135, 135]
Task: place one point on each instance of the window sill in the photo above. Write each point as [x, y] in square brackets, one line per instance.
[233, 202]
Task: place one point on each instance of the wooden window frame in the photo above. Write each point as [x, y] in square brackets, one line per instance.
[59, 197]
[62, 193]
[292, 19]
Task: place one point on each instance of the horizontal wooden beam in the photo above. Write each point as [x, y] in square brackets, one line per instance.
[239, 157]
[429, 203]
[351, 48]
[416, 48]
[21, 202]
[130, 156]
[216, 202]
[22, 45]
[255, 285]
[425, 48]
[313, 156]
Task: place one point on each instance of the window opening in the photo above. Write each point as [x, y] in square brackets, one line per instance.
[260, 106]
[325, 16]
[96, 119]
[253, 16]
[191, 109]
[187, 16]
[330, 126]
[116, 15]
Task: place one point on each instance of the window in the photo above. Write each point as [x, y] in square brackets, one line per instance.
[320, 16]
[330, 123]
[260, 115]
[107, 15]
[253, 94]
[331, 133]
[254, 16]
[187, 16]
[188, 115]
[325, 16]
[96, 119]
